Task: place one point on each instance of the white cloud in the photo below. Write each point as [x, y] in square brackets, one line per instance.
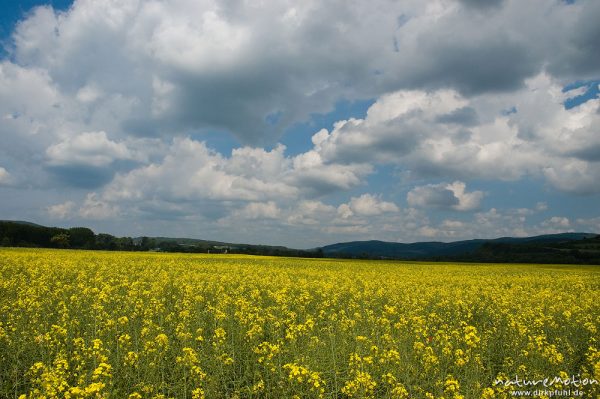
[91, 208]
[61, 211]
[557, 222]
[4, 176]
[27, 92]
[313, 221]
[445, 196]
[575, 176]
[30, 107]
[446, 230]
[311, 213]
[140, 68]
[89, 94]
[453, 224]
[90, 148]
[429, 232]
[192, 65]
[258, 210]
[591, 225]
[151, 66]
[191, 171]
[442, 133]
[95, 208]
[461, 91]
[493, 223]
[366, 205]
[466, 201]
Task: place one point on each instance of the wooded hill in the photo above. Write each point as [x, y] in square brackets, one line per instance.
[576, 248]
[26, 234]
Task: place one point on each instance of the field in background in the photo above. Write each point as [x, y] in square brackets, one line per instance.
[77, 324]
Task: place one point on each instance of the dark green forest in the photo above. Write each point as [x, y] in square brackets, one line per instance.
[25, 234]
[584, 251]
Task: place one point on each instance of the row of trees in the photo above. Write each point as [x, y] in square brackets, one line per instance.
[585, 251]
[20, 234]
[266, 250]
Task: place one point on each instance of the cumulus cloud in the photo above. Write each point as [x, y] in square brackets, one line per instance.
[28, 109]
[310, 213]
[312, 221]
[61, 211]
[91, 159]
[250, 181]
[191, 171]
[494, 223]
[90, 149]
[445, 196]
[160, 60]
[557, 221]
[442, 133]
[366, 205]
[363, 217]
[108, 96]
[96, 208]
[575, 176]
[91, 208]
[162, 69]
[4, 176]
[320, 177]
[589, 224]
[166, 67]
[258, 210]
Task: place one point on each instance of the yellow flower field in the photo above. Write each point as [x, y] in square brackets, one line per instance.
[83, 324]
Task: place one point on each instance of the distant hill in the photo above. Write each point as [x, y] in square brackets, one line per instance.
[21, 222]
[171, 244]
[551, 248]
[582, 251]
[180, 241]
[576, 248]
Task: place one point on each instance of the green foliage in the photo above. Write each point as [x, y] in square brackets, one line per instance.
[82, 237]
[21, 234]
[60, 240]
[566, 248]
[585, 251]
[106, 241]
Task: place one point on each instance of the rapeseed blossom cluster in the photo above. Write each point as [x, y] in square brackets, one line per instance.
[158, 326]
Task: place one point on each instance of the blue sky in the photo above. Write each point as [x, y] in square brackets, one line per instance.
[302, 123]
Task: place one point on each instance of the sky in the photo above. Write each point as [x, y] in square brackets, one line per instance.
[302, 123]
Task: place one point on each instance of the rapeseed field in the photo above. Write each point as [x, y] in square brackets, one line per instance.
[84, 324]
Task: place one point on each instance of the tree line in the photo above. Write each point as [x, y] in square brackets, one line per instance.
[585, 251]
[17, 234]
[22, 234]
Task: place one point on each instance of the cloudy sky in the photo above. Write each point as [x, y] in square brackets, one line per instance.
[302, 123]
